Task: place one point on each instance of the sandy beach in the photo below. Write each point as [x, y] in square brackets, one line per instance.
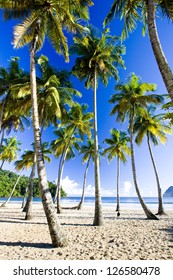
[130, 237]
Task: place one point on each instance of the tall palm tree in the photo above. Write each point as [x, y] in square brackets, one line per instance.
[8, 151]
[145, 11]
[77, 122]
[130, 101]
[47, 18]
[153, 127]
[66, 144]
[99, 57]
[117, 148]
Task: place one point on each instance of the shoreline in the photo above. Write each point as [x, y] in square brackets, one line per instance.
[129, 237]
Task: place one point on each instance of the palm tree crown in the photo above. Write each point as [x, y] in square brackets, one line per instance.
[117, 145]
[8, 151]
[97, 53]
[151, 125]
[45, 20]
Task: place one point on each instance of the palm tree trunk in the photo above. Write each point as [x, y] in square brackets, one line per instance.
[162, 63]
[79, 207]
[29, 213]
[2, 164]
[11, 194]
[2, 114]
[56, 233]
[118, 185]
[59, 181]
[59, 171]
[98, 216]
[160, 206]
[2, 135]
[147, 212]
[24, 197]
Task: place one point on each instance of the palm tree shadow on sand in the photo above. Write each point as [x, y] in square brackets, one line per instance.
[169, 231]
[27, 244]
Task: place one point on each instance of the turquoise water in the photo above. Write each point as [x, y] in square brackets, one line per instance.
[126, 202]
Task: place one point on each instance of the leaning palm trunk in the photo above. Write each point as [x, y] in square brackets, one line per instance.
[2, 135]
[60, 172]
[160, 206]
[30, 183]
[147, 212]
[118, 185]
[2, 114]
[58, 190]
[2, 164]
[98, 216]
[79, 207]
[25, 194]
[162, 63]
[56, 233]
[6, 202]
[29, 213]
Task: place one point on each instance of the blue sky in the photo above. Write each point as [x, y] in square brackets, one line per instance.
[139, 58]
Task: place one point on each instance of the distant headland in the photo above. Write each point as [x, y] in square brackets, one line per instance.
[168, 192]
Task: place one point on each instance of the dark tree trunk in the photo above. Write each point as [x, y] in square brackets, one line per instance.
[79, 207]
[160, 206]
[11, 194]
[147, 212]
[162, 63]
[118, 185]
[29, 213]
[98, 216]
[56, 233]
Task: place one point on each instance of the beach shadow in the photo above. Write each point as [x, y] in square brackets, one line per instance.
[21, 222]
[27, 244]
[169, 231]
[76, 225]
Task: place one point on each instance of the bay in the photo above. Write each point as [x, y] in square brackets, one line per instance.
[126, 202]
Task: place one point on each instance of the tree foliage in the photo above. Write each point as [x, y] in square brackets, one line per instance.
[8, 179]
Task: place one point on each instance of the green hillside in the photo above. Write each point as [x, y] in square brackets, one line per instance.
[8, 179]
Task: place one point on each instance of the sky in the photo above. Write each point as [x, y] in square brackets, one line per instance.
[139, 59]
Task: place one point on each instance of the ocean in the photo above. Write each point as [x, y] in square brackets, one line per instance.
[125, 202]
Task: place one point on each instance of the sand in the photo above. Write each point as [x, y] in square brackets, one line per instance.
[129, 237]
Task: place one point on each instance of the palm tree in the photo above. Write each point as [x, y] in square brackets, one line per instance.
[15, 121]
[98, 58]
[55, 92]
[131, 101]
[76, 121]
[8, 151]
[117, 148]
[152, 126]
[8, 78]
[69, 142]
[47, 18]
[133, 11]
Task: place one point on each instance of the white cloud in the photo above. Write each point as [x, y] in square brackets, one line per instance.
[127, 188]
[71, 187]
